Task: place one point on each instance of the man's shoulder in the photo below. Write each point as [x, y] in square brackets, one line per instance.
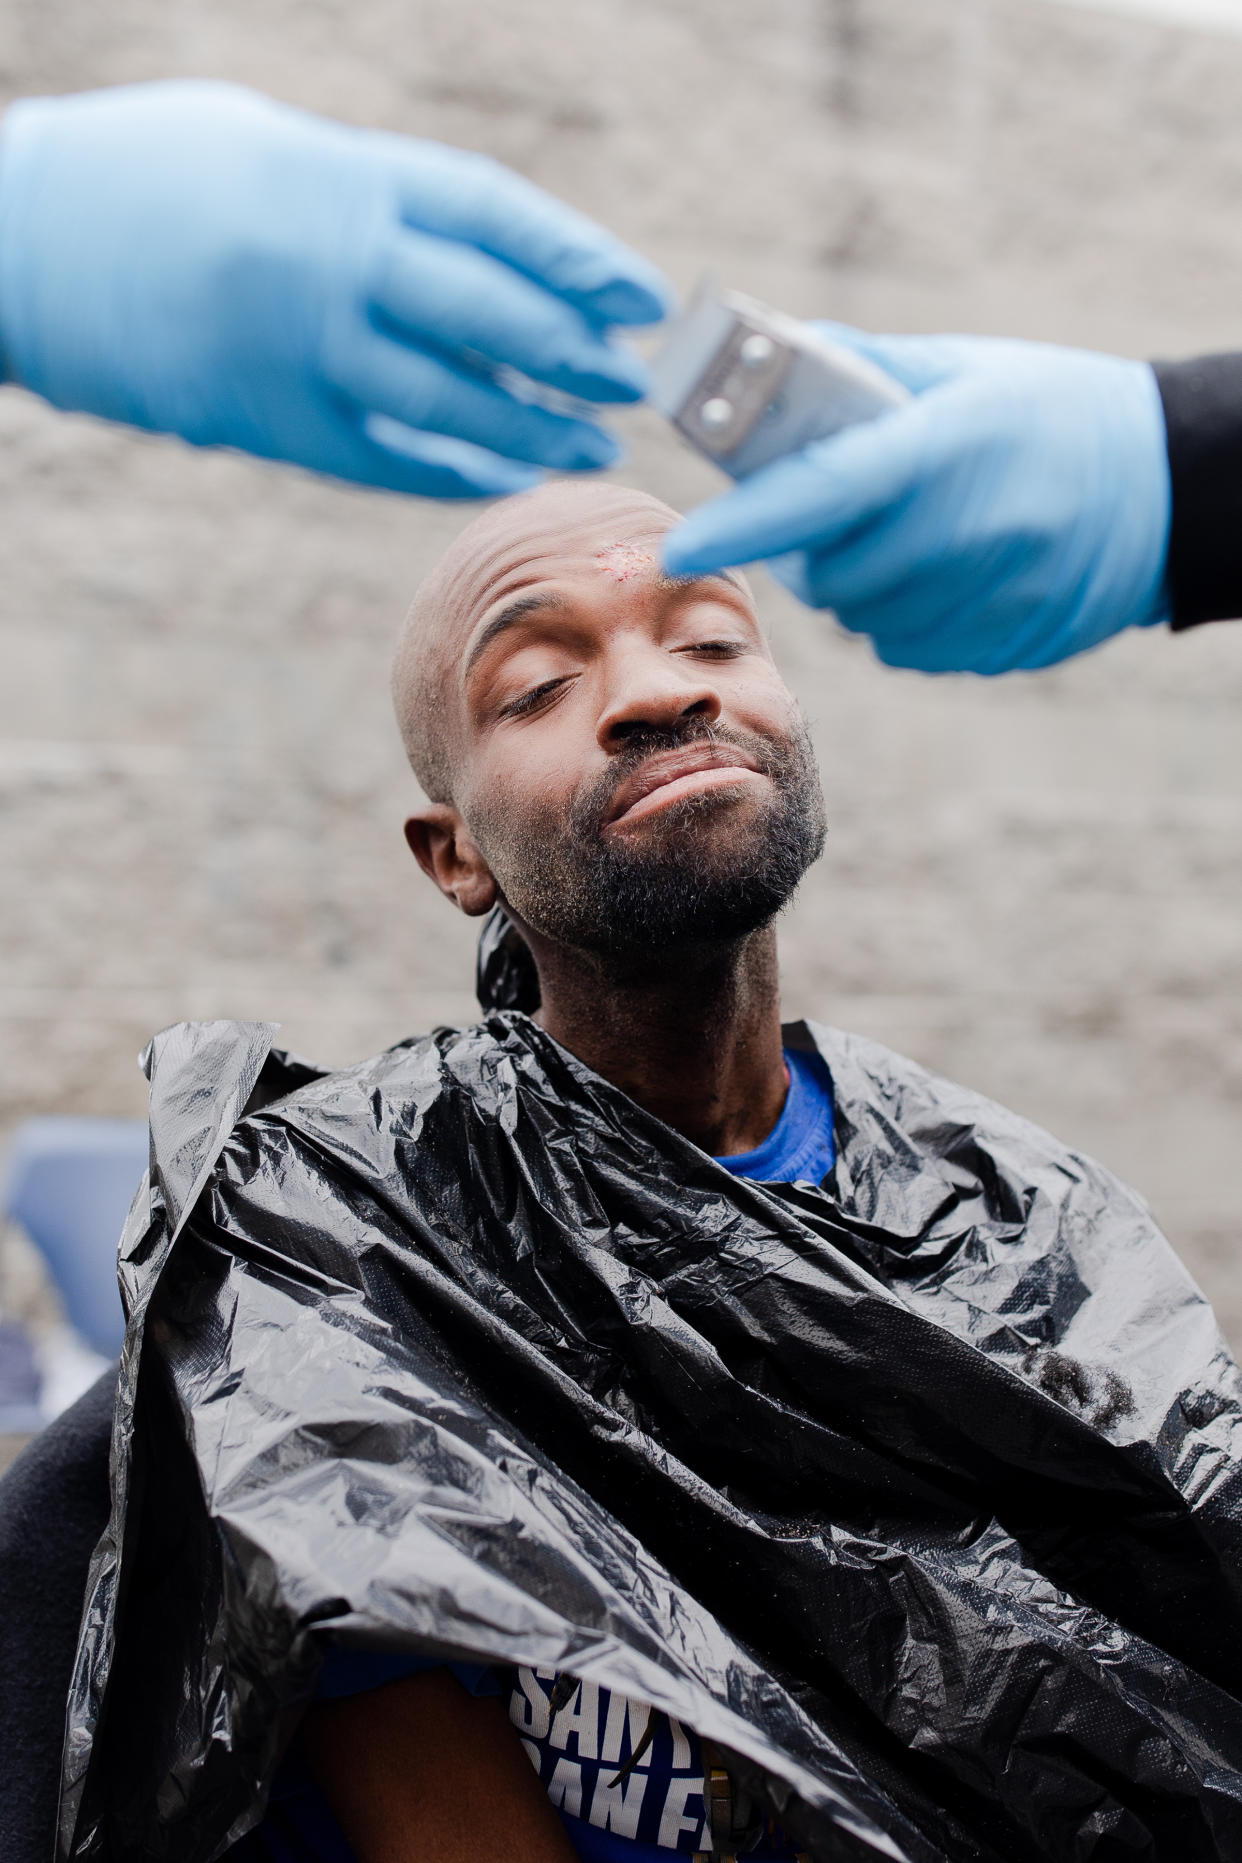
[466, 1058]
[290, 1085]
[225, 1087]
[205, 1058]
[254, 1094]
[895, 1108]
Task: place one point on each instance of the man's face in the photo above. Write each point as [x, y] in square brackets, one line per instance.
[626, 757]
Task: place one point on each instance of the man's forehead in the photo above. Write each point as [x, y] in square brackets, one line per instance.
[615, 546]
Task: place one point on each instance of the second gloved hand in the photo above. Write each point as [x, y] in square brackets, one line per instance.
[1014, 512]
[194, 258]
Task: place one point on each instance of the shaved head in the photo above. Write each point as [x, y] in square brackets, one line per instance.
[614, 529]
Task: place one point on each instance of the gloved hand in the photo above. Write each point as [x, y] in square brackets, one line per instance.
[194, 258]
[1015, 512]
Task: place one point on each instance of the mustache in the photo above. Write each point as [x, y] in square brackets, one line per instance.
[593, 805]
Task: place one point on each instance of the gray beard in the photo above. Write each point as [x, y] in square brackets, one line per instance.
[604, 895]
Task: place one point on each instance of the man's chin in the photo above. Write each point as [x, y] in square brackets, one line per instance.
[682, 897]
[702, 872]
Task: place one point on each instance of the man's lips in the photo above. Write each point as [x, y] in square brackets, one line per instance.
[672, 774]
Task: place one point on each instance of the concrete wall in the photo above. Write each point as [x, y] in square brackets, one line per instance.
[1035, 887]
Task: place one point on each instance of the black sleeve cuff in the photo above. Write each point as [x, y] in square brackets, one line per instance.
[1203, 416]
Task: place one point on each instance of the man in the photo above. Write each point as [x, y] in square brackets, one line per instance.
[606, 752]
[680, 1382]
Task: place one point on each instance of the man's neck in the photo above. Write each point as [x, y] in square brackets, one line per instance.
[694, 1038]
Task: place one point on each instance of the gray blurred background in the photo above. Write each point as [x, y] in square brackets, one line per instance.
[1034, 886]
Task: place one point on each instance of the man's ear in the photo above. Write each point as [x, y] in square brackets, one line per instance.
[441, 844]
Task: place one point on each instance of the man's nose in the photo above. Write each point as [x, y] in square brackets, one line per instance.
[654, 695]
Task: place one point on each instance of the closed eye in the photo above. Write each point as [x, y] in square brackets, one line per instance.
[533, 700]
[719, 649]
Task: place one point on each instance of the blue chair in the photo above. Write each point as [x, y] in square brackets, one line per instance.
[69, 1184]
[21, 1386]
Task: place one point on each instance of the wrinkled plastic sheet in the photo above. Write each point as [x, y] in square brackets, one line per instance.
[918, 1493]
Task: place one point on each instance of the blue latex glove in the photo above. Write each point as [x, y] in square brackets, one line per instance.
[1015, 512]
[194, 258]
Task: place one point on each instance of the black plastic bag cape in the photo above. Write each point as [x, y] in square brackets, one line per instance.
[917, 1492]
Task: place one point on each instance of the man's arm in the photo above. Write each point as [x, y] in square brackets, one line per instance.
[196, 259]
[422, 1772]
[1027, 503]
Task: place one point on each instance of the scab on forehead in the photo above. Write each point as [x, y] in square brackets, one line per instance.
[624, 561]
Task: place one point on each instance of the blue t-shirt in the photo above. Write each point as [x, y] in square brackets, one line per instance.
[582, 1740]
[800, 1148]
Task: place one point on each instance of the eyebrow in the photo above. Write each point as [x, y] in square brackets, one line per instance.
[550, 601]
[509, 615]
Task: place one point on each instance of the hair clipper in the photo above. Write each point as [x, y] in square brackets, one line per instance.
[745, 385]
